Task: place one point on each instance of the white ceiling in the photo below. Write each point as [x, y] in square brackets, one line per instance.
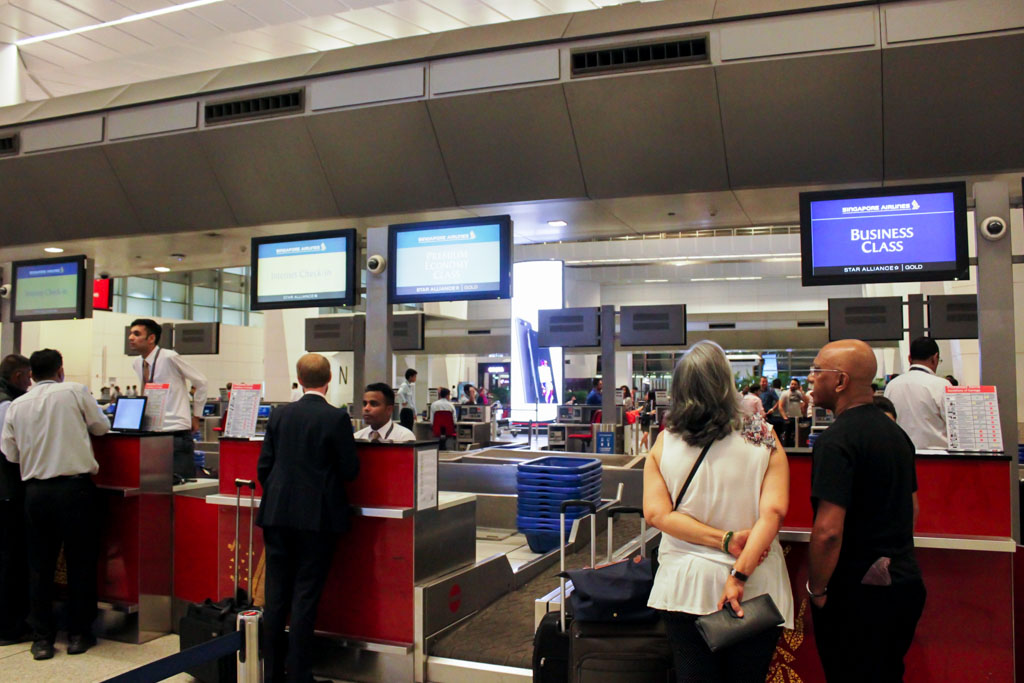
[225, 33]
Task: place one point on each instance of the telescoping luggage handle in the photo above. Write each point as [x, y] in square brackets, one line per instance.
[251, 485]
[625, 510]
[561, 537]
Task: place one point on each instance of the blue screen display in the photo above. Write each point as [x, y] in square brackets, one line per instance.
[129, 413]
[448, 260]
[900, 234]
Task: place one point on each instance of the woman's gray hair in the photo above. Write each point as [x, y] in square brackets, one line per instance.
[705, 403]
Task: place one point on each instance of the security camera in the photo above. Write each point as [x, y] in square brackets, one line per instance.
[5, 291]
[994, 228]
[376, 264]
[104, 276]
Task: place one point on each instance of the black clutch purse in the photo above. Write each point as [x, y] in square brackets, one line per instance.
[723, 628]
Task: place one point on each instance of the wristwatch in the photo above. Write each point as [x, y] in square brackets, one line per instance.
[738, 575]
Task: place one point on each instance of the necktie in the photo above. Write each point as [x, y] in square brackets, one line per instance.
[375, 436]
[145, 376]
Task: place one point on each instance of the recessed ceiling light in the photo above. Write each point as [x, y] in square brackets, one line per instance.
[162, 269]
[117, 22]
[53, 250]
[655, 280]
[557, 224]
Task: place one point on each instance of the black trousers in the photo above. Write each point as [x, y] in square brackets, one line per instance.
[297, 566]
[14, 573]
[184, 455]
[864, 632]
[745, 662]
[62, 511]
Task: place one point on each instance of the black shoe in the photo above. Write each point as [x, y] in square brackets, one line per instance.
[42, 649]
[79, 644]
[24, 637]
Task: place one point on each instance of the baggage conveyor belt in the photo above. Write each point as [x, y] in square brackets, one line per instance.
[502, 633]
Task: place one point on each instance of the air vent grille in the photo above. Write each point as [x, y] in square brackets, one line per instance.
[631, 56]
[721, 326]
[255, 107]
[810, 323]
[9, 144]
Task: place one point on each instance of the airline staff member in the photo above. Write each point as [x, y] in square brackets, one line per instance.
[46, 432]
[378, 408]
[163, 366]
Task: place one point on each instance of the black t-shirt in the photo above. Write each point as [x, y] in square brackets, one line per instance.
[864, 463]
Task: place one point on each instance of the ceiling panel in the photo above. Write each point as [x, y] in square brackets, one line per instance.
[306, 37]
[269, 13]
[537, 30]
[317, 8]
[584, 220]
[518, 9]
[83, 46]
[103, 10]
[779, 205]
[423, 15]
[382, 22]
[54, 54]
[510, 145]
[932, 127]
[375, 54]
[471, 12]
[118, 40]
[190, 26]
[227, 17]
[650, 133]
[633, 17]
[258, 73]
[744, 8]
[170, 184]
[26, 22]
[23, 218]
[673, 213]
[382, 159]
[59, 13]
[812, 119]
[343, 30]
[88, 200]
[269, 171]
[151, 33]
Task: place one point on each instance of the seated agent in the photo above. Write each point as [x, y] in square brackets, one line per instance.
[378, 408]
[443, 403]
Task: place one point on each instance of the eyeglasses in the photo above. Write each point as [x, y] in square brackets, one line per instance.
[817, 371]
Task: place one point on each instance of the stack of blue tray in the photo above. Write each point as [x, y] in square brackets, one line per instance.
[542, 484]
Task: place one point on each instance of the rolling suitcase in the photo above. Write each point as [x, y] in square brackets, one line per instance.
[620, 652]
[551, 641]
[208, 620]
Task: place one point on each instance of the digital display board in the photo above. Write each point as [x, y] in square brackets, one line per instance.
[50, 289]
[455, 260]
[304, 270]
[893, 234]
[536, 372]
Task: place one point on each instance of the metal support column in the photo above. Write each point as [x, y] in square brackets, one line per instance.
[10, 333]
[915, 315]
[608, 364]
[996, 324]
[377, 364]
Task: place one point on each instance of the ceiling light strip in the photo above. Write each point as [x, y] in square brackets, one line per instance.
[117, 22]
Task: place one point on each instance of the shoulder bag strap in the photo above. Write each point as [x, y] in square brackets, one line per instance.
[693, 471]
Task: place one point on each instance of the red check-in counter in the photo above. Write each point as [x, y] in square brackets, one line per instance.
[964, 547]
[403, 533]
[134, 577]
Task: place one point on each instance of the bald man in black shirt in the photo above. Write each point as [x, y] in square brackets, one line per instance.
[865, 586]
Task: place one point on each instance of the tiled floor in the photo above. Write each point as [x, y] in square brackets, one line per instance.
[108, 658]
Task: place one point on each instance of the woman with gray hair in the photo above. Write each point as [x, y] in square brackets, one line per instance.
[721, 544]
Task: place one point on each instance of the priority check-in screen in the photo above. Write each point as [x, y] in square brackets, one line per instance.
[448, 260]
[47, 290]
[302, 270]
[878, 237]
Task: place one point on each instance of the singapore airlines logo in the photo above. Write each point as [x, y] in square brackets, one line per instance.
[323, 246]
[879, 208]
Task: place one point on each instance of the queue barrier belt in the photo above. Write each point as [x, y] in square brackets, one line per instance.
[180, 662]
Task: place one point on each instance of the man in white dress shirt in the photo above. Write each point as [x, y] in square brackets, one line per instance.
[443, 403]
[46, 432]
[918, 395]
[163, 366]
[378, 409]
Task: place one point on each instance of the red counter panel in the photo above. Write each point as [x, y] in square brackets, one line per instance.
[238, 458]
[118, 571]
[118, 458]
[195, 549]
[387, 477]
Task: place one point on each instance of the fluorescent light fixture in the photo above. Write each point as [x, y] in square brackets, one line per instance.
[655, 280]
[557, 224]
[782, 259]
[724, 279]
[162, 269]
[117, 22]
[683, 259]
[53, 250]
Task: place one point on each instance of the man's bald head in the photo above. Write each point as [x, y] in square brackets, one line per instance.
[853, 357]
[314, 371]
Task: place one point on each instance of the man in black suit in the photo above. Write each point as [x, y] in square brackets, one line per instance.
[308, 453]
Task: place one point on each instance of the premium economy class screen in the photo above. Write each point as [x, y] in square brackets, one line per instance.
[883, 238]
[302, 270]
[453, 260]
[47, 290]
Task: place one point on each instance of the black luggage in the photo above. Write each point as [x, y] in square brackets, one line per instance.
[620, 652]
[209, 620]
[551, 641]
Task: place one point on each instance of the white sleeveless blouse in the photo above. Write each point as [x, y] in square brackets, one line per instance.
[724, 493]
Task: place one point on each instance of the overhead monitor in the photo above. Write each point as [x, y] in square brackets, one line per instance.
[909, 233]
[304, 270]
[50, 289]
[457, 260]
[877, 318]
